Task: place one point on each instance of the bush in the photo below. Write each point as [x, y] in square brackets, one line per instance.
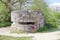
[46, 28]
[4, 16]
[5, 24]
[49, 17]
[57, 15]
[53, 18]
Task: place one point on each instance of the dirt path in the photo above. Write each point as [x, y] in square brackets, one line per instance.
[36, 36]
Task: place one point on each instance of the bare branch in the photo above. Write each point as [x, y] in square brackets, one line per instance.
[14, 2]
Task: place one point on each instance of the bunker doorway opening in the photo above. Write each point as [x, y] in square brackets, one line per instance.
[27, 23]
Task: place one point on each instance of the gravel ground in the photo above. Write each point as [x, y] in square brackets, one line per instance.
[36, 36]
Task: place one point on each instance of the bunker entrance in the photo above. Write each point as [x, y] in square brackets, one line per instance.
[27, 23]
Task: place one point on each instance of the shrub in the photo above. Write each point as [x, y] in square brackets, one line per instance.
[49, 17]
[4, 16]
[5, 24]
[46, 28]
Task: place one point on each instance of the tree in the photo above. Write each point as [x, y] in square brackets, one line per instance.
[22, 2]
[42, 6]
[4, 16]
[9, 4]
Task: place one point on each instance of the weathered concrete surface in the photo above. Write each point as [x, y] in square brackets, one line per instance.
[24, 28]
[15, 17]
[27, 16]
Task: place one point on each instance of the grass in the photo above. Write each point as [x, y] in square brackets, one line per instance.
[47, 29]
[14, 38]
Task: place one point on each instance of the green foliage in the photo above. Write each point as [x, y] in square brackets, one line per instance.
[39, 5]
[47, 29]
[49, 17]
[57, 15]
[5, 24]
[4, 16]
[2, 8]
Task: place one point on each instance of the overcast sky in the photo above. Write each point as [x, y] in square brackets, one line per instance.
[52, 1]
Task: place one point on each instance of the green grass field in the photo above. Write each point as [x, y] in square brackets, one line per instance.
[14, 38]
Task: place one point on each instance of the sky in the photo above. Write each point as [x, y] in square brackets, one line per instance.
[52, 1]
